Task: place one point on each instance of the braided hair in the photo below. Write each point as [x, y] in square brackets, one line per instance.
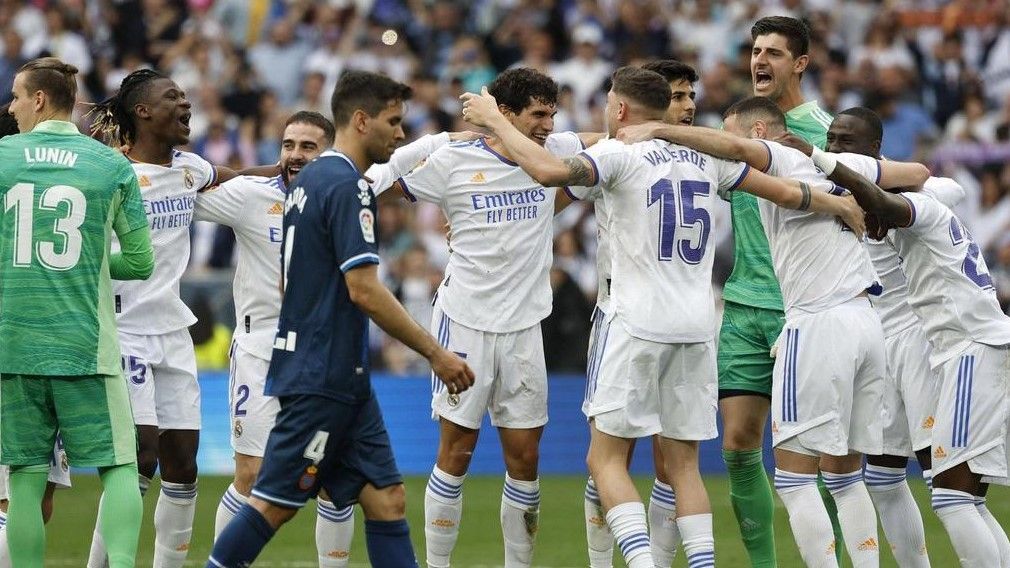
[114, 120]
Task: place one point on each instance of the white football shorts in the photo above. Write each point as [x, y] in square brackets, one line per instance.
[973, 413]
[252, 413]
[638, 388]
[510, 376]
[161, 373]
[911, 390]
[59, 471]
[828, 381]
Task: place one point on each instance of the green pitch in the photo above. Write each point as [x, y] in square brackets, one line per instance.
[560, 543]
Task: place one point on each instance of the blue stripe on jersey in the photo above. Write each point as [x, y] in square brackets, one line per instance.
[743, 176]
[355, 261]
[596, 170]
[962, 401]
[769, 150]
[406, 191]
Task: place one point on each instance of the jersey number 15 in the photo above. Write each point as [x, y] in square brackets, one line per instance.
[64, 251]
[687, 217]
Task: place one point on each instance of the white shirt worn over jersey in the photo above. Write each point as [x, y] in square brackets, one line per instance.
[659, 196]
[818, 261]
[603, 260]
[253, 207]
[497, 279]
[153, 306]
[949, 287]
[891, 301]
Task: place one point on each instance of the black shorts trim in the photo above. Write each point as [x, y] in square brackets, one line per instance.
[730, 393]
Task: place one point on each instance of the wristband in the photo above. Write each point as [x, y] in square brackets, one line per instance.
[824, 160]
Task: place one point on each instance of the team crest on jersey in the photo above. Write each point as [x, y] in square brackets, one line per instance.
[276, 209]
[296, 198]
[367, 220]
[308, 479]
[364, 195]
[187, 178]
[64, 462]
[453, 399]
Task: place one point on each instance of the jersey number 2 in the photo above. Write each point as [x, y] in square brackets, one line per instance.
[970, 265]
[64, 251]
[689, 216]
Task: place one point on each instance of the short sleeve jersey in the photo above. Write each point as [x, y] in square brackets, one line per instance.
[659, 196]
[819, 262]
[949, 286]
[753, 281]
[62, 195]
[153, 306]
[497, 279]
[321, 346]
[254, 208]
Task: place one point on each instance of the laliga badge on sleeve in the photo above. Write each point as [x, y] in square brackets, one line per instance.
[367, 220]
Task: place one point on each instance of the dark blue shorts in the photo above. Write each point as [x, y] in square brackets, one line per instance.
[319, 443]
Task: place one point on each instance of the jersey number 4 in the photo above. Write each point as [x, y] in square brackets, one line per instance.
[64, 251]
[686, 216]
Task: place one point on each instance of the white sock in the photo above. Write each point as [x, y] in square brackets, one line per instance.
[97, 557]
[5, 556]
[230, 503]
[927, 476]
[998, 534]
[807, 517]
[856, 516]
[699, 543]
[334, 532]
[663, 531]
[173, 523]
[628, 523]
[598, 535]
[898, 514]
[443, 507]
[520, 518]
[968, 532]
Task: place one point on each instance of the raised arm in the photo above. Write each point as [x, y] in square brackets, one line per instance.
[793, 194]
[708, 140]
[547, 169]
[889, 208]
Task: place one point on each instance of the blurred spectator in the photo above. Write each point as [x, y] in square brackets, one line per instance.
[907, 127]
[10, 61]
[276, 62]
[585, 71]
[64, 41]
[469, 62]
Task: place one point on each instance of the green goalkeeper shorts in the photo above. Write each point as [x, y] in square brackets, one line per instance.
[92, 414]
[745, 343]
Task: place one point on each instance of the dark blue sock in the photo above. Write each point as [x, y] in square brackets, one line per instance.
[241, 541]
[389, 544]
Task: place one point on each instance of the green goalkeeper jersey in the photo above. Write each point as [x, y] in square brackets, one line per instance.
[62, 194]
[753, 281]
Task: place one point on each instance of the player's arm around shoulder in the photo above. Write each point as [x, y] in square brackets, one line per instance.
[718, 143]
[889, 208]
[135, 261]
[224, 203]
[371, 296]
[798, 195]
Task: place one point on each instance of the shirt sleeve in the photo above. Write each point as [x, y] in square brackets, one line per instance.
[403, 160]
[428, 181]
[224, 203]
[564, 144]
[729, 175]
[352, 226]
[927, 213]
[944, 190]
[611, 161]
[583, 193]
[129, 213]
[865, 166]
[204, 173]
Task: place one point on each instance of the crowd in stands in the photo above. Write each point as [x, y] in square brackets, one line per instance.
[938, 73]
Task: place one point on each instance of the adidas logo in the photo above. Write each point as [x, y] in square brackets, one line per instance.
[598, 521]
[277, 209]
[478, 178]
[144, 181]
[939, 453]
[831, 548]
[868, 544]
[182, 547]
[928, 423]
[749, 525]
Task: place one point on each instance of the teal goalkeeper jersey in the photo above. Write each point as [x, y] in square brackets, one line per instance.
[753, 282]
[62, 194]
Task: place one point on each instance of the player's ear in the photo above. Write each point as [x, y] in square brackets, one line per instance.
[359, 120]
[801, 63]
[759, 129]
[141, 110]
[39, 100]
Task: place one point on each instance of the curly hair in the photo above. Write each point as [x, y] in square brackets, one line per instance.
[518, 88]
[114, 119]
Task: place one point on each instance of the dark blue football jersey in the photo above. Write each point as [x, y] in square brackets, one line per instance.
[321, 346]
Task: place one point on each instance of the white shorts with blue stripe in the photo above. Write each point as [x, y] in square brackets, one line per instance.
[510, 376]
[828, 381]
[973, 414]
[637, 388]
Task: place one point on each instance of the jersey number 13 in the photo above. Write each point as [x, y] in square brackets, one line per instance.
[64, 250]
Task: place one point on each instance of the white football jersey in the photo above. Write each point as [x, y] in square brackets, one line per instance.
[603, 259]
[253, 207]
[404, 159]
[819, 262]
[659, 196]
[497, 279]
[948, 281]
[153, 306]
